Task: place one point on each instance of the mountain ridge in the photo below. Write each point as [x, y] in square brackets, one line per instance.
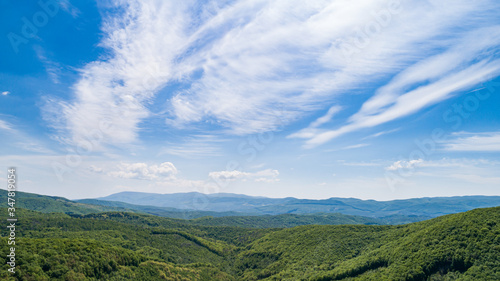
[51, 204]
[224, 202]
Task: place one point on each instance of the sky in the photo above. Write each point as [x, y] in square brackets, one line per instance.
[311, 99]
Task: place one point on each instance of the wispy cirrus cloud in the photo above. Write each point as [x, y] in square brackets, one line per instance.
[464, 141]
[4, 125]
[52, 68]
[254, 66]
[312, 129]
[415, 100]
[376, 135]
[359, 145]
[19, 139]
[194, 147]
[472, 170]
[360, 164]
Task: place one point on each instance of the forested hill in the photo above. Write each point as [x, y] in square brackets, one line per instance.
[55, 204]
[463, 246]
[130, 246]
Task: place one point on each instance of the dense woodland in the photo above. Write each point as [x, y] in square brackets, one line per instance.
[119, 245]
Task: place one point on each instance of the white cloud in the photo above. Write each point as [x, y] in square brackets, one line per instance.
[254, 66]
[267, 175]
[194, 147]
[144, 171]
[53, 68]
[20, 139]
[359, 145]
[327, 117]
[458, 163]
[446, 172]
[313, 127]
[402, 164]
[381, 133]
[489, 141]
[5, 93]
[96, 169]
[4, 125]
[360, 164]
[69, 8]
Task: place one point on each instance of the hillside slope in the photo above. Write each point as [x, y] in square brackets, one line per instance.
[463, 246]
[130, 246]
[286, 220]
[55, 204]
[87, 259]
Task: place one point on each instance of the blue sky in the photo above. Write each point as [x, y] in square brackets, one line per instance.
[310, 99]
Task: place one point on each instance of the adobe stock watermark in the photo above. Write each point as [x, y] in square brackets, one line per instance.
[362, 36]
[31, 25]
[12, 219]
[455, 116]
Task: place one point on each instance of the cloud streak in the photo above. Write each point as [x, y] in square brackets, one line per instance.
[13, 136]
[194, 147]
[486, 142]
[4, 125]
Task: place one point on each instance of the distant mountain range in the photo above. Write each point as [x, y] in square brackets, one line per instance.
[55, 204]
[248, 211]
[418, 208]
